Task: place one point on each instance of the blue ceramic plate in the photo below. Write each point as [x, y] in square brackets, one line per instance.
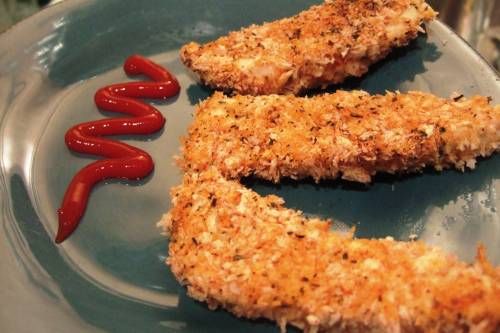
[110, 276]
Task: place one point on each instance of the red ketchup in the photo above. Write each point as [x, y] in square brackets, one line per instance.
[122, 160]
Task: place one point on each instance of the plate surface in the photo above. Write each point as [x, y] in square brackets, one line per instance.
[110, 276]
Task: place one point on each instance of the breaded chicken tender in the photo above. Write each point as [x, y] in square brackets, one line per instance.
[248, 254]
[352, 135]
[320, 46]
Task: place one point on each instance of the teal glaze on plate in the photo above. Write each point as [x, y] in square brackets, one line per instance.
[110, 276]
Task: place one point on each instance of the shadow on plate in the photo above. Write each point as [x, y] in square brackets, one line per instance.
[390, 206]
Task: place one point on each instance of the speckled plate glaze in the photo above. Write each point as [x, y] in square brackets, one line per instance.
[110, 276]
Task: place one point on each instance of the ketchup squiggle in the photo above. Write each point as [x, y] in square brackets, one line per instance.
[122, 160]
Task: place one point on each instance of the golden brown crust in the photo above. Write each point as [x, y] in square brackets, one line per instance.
[248, 254]
[319, 46]
[349, 134]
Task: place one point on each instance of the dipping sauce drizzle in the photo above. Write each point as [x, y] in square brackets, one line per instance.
[122, 160]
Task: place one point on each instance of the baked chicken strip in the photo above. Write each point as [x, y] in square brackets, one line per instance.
[248, 254]
[319, 46]
[352, 135]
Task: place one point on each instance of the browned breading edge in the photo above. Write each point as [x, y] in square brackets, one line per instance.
[319, 46]
[352, 135]
[248, 254]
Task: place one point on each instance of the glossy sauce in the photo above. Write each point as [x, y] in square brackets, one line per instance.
[122, 160]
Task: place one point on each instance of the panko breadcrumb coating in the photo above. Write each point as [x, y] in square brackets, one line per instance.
[352, 135]
[320, 46]
[248, 254]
